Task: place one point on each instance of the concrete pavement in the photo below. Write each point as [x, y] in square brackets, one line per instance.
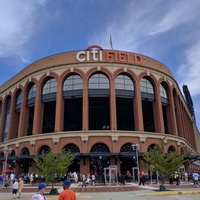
[119, 191]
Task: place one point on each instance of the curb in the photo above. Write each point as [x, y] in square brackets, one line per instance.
[189, 192]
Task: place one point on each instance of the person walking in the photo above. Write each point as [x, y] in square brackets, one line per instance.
[186, 177]
[21, 185]
[128, 176]
[195, 176]
[84, 180]
[40, 194]
[12, 178]
[93, 179]
[142, 178]
[15, 188]
[67, 194]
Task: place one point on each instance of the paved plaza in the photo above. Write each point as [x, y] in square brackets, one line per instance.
[127, 192]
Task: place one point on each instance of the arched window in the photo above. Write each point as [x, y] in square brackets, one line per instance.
[124, 86]
[72, 148]
[7, 119]
[164, 95]
[25, 151]
[171, 149]
[30, 103]
[49, 89]
[72, 93]
[100, 147]
[44, 149]
[147, 90]
[73, 86]
[148, 97]
[151, 147]
[99, 102]
[99, 84]
[165, 103]
[31, 94]
[98, 163]
[18, 101]
[49, 100]
[126, 148]
[12, 153]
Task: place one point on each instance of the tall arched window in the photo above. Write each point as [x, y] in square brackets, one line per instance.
[49, 89]
[31, 95]
[99, 102]
[73, 86]
[72, 94]
[99, 84]
[15, 126]
[147, 90]
[49, 99]
[148, 96]
[165, 106]
[7, 119]
[164, 95]
[124, 88]
[18, 101]
[30, 103]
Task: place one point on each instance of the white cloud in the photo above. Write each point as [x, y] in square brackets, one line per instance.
[189, 71]
[17, 25]
[179, 13]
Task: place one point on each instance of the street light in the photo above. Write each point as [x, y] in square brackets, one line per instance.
[6, 153]
[151, 166]
[136, 148]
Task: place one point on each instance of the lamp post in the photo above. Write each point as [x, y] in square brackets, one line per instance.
[151, 166]
[6, 153]
[136, 148]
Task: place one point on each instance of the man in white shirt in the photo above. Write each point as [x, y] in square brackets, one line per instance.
[15, 188]
[40, 194]
[195, 176]
[12, 176]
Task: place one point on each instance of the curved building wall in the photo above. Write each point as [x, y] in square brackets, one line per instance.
[95, 103]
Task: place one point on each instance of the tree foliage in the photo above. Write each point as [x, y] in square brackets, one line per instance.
[164, 164]
[49, 165]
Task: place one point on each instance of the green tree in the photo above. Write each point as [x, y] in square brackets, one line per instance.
[156, 160]
[50, 164]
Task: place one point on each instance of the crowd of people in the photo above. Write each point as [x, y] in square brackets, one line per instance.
[17, 181]
[8, 178]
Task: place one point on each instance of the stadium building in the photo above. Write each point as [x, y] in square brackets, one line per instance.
[98, 104]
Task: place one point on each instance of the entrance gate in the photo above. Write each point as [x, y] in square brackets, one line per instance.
[111, 171]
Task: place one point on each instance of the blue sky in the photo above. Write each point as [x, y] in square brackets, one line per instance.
[168, 31]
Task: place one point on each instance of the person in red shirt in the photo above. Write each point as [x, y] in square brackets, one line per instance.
[142, 178]
[128, 176]
[67, 194]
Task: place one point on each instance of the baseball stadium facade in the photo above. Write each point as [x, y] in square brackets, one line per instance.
[97, 104]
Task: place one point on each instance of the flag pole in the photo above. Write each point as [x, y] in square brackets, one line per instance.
[111, 44]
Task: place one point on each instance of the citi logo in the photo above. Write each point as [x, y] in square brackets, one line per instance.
[93, 52]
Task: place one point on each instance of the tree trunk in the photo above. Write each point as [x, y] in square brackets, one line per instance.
[162, 188]
[53, 191]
